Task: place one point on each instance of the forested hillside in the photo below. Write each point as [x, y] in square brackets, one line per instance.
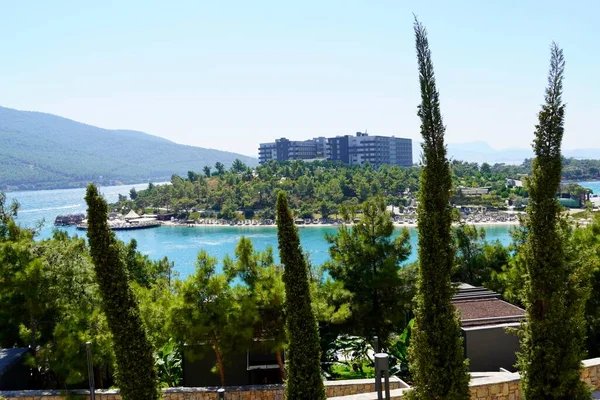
[42, 151]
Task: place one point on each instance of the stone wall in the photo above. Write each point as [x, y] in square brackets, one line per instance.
[483, 386]
[501, 387]
[263, 392]
[508, 387]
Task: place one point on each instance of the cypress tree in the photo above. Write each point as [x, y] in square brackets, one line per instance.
[556, 289]
[437, 357]
[304, 380]
[136, 374]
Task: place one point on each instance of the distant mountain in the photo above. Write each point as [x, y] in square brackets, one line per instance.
[39, 151]
[481, 152]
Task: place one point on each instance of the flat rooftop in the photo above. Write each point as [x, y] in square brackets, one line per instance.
[479, 306]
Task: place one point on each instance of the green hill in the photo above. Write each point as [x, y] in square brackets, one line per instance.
[43, 151]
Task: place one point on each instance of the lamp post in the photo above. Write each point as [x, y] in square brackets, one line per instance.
[382, 367]
[90, 364]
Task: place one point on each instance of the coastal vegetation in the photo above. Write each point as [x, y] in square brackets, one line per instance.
[437, 357]
[323, 190]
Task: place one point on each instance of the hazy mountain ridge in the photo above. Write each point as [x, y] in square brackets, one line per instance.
[47, 151]
[481, 152]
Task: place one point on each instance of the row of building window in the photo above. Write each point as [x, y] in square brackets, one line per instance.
[349, 149]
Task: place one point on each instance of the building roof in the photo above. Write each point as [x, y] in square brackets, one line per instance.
[9, 357]
[479, 306]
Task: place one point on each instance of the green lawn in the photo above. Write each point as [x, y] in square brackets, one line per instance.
[343, 371]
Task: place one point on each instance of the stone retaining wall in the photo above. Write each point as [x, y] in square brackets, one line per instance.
[493, 386]
[508, 387]
[262, 392]
[497, 388]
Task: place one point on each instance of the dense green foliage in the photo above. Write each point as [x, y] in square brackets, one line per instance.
[319, 189]
[304, 380]
[209, 311]
[585, 245]
[40, 277]
[43, 151]
[136, 373]
[315, 189]
[477, 260]
[556, 289]
[366, 260]
[49, 301]
[170, 365]
[265, 294]
[437, 356]
[580, 170]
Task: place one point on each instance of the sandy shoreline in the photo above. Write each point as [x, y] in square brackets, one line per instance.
[396, 225]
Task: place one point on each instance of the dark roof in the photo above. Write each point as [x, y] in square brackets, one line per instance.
[10, 356]
[479, 306]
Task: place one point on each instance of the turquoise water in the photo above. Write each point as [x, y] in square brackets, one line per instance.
[181, 244]
[594, 186]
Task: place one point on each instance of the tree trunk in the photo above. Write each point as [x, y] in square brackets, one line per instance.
[281, 366]
[219, 361]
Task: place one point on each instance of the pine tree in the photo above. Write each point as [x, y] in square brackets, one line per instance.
[136, 374]
[266, 293]
[304, 379]
[556, 289]
[366, 259]
[437, 356]
[211, 310]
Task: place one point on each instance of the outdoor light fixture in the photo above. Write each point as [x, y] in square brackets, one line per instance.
[88, 348]
[382, 367]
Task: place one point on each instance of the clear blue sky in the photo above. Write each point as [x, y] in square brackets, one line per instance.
[231, 74]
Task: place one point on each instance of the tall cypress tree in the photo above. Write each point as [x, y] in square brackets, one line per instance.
[556, 289]
[437, 357]
[304, 380]
[136, 374]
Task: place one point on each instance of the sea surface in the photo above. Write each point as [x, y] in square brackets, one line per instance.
[594, 186]
[182, 244]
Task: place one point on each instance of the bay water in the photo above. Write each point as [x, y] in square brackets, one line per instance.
[181, 244]
[594, 186]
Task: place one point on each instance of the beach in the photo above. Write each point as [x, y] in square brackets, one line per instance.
[326, 225]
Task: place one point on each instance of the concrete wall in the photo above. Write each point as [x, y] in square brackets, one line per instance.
[482, 356]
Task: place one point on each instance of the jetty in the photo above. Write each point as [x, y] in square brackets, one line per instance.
[69, 219]
[125, 225]
[128, 222]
